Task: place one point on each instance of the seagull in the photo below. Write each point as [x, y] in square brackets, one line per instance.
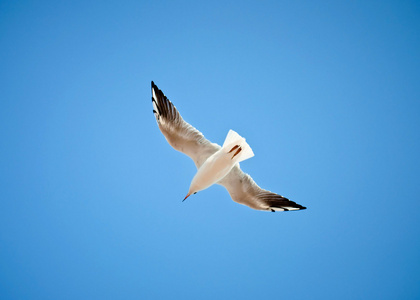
[215, 164]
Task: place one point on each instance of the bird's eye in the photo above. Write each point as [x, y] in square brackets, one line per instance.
[195, 193]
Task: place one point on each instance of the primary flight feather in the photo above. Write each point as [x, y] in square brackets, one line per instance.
[215, 164]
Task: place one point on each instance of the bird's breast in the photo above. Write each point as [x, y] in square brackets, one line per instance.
[213, 169]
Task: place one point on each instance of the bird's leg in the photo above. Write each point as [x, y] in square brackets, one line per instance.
[237, 151]
[233, 148]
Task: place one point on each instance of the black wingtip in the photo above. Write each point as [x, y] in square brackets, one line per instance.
[300, 207]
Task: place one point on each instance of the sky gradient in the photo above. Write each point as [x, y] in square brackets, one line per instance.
[327, 95]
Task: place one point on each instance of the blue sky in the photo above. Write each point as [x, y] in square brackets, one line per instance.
[326, 93]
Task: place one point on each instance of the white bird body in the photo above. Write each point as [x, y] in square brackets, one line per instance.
[215, 164]
[214, 169]
[219, 164]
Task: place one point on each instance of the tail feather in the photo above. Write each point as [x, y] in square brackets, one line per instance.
[238, 146]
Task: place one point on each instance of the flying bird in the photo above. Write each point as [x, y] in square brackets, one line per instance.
[215, 164]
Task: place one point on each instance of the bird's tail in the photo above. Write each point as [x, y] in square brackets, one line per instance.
[236, 146]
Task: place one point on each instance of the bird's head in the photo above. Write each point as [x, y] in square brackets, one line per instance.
[194, 188]
[189, 194]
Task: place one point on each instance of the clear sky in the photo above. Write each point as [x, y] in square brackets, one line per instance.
[326, 93]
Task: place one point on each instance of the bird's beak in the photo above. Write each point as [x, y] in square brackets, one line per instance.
[186, 197]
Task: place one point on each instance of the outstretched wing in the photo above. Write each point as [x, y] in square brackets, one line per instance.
[243, 189]
[179, 134]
